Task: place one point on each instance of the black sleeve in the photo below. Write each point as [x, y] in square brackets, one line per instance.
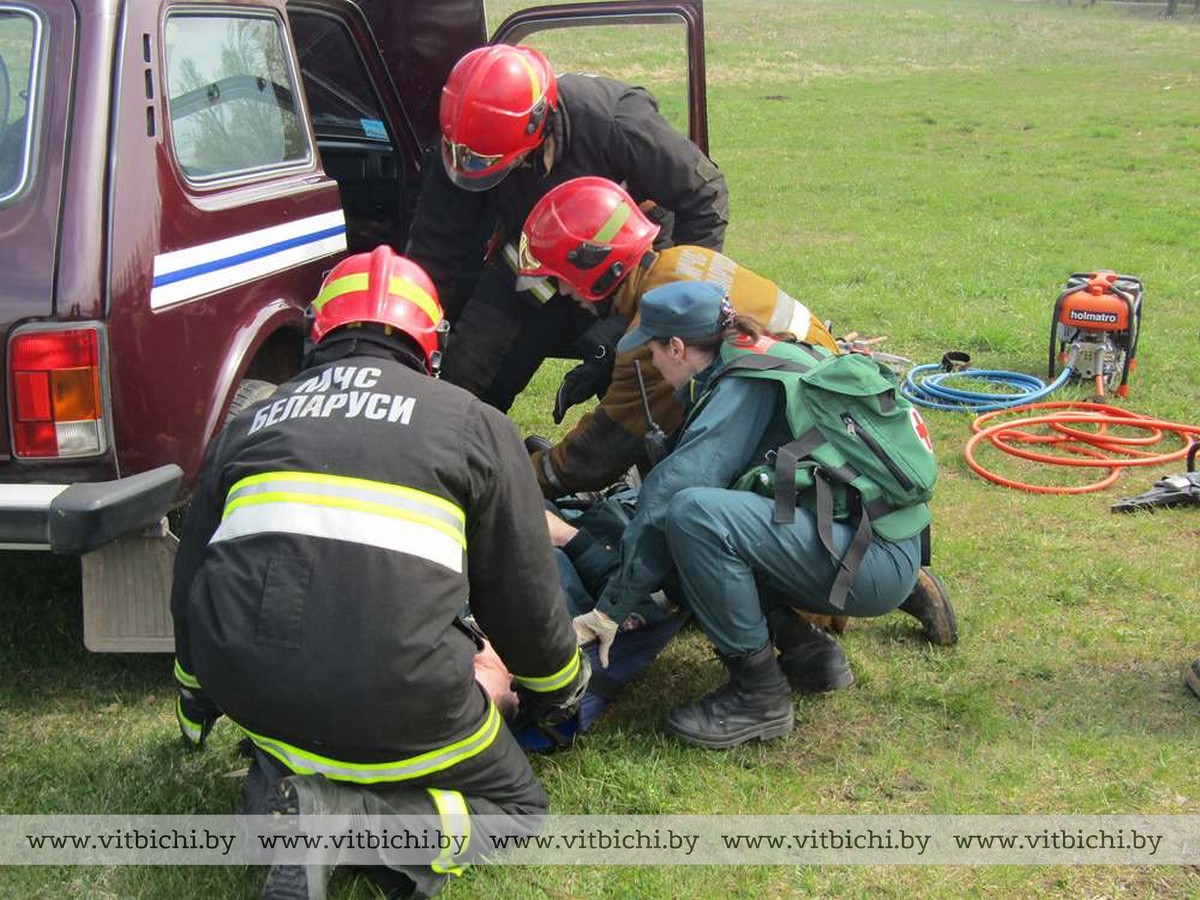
[514, 588]
[665, 166]
[444, 232]
[595, 560]
[199, 523]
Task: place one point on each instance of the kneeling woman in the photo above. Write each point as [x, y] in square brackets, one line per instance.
[737, 566]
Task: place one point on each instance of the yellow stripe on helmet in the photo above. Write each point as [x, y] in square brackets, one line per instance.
[397, 287]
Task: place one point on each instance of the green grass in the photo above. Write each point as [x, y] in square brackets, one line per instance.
[927, 170]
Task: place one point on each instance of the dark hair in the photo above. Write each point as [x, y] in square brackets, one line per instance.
[738, 326]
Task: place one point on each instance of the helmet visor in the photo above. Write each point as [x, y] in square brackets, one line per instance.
[475, 171]
[527, 263]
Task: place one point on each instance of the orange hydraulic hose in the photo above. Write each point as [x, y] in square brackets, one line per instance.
[1087, 448]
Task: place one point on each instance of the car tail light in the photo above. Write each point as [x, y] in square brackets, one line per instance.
[56, 403]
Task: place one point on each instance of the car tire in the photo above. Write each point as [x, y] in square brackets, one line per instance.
[249, 392]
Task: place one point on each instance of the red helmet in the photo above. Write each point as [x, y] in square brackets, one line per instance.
[386, 288]
[493, 112]
[588, 232]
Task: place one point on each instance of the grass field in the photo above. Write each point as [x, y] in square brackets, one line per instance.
[927, 170]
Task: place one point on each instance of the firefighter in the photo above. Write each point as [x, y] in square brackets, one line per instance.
[722, 543]
[338, 530]
[512, 130]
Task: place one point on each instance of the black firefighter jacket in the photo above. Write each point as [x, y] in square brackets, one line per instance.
[601, 127]
[336, 532]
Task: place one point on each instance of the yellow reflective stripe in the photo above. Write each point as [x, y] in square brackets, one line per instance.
[347, 481]
[187, 679]
[394, 533]
[456, 820]
[534, 82]
[560, 679]
[402, 287]
[302, 762]
[339, 286]
[378, 509]
[398, 287]
[610, 228]
[190, 728]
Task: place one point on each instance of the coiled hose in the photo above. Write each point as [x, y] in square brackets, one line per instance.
[925, 386]
[1094, 446]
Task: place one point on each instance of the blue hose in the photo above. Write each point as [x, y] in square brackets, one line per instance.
[923, 386]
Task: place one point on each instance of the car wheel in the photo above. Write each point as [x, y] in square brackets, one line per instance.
[249, 392]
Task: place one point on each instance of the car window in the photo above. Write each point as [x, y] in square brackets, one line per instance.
[342, 102]
[20, 76]
[231, 96]
[653, 55]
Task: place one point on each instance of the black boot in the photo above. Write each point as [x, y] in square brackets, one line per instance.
[811, 658]
[307, 795]
[929, 603]
[756, 703]
[1193, 677]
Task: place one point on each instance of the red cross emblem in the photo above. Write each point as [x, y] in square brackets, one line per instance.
[922, 430]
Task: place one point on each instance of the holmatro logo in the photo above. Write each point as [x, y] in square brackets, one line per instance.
[1086, 315]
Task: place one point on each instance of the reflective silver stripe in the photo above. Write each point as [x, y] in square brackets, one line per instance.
[304, 763]
[192, 729]
[389, 516]
[550, 475]
[356, 490]
[790, 315]
[456, 821]
[560, 679]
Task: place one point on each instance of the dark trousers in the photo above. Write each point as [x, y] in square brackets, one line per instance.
[497, 784]
[503, 335]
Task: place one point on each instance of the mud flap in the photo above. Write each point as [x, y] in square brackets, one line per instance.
[127, 595]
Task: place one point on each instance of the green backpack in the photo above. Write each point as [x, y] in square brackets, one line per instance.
[859, 447]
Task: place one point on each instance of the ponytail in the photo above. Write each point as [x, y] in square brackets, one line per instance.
[735, 325]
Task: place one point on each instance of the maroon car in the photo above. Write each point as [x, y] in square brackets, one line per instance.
[175, 178]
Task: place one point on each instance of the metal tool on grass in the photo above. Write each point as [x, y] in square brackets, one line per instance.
[1170, 490]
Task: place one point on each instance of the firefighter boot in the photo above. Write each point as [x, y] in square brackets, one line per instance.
[1193, 677]
[811, 658]
[307, 795]
[756, 703]
[929, 603]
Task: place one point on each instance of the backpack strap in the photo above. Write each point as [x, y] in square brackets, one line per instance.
[750, 362]
[756, 362]
[848, 564]
[787, 458]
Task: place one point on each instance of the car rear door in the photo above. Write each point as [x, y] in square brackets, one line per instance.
[658, 44]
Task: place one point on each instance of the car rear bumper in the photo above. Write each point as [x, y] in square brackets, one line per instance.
[74, 519]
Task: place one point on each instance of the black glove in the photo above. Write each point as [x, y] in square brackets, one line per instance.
[588, 379]
[196, 715]
[554, 708]
[591, 378]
